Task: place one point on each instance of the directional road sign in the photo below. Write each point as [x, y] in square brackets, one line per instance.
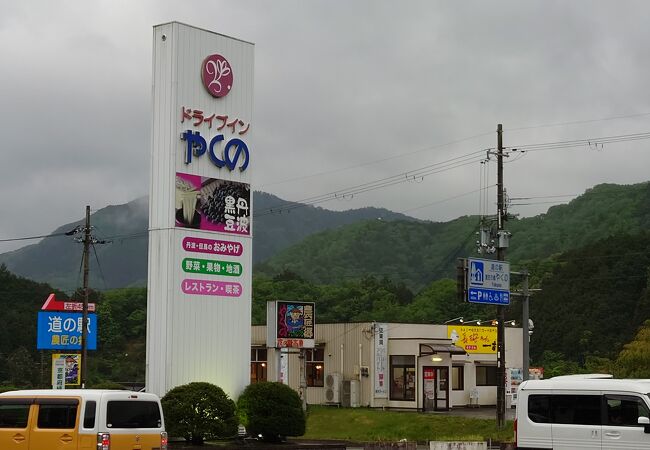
[488, 281]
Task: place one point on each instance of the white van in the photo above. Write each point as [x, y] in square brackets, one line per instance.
[81, 419]
[583, 411]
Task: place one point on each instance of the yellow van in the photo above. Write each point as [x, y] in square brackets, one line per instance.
[81, 419]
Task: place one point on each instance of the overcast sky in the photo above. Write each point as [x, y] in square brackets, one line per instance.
[346, 92]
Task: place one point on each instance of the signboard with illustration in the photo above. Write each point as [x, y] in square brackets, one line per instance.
[71, 364]
[212, 205]
[474, 339]
[290, 324]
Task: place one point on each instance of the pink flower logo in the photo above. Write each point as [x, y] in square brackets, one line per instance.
[216, 74]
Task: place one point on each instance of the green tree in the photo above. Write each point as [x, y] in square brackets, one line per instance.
[634, 359]
[199, 411]
[21, 367]
[272, 410]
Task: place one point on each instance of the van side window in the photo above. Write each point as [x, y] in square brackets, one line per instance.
[576, 409]
[89, 414]
[539, 408]
[132, 414]
[56, 415]
[14, 414]
[625, 410]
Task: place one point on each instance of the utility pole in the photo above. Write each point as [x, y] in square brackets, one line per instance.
[501, 254]
[525, 314]
[84, 322]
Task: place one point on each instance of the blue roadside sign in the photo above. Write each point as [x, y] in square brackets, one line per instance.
[488, 282]
[62, 331]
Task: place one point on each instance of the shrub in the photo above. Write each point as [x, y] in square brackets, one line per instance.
[198, 412]
[272, 410]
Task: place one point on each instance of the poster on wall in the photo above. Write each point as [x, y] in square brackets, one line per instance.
[473, 339]
[381, 360]
[71, 368]
[211, 204]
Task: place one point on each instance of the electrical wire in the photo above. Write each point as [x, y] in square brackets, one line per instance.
[415, 175]
[401, 155]
[32, 237]
[447, 199]
[592, 142]
[99, 266]
[578, 122]
[420, 173]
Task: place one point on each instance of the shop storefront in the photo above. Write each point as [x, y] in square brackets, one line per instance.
[391, 365]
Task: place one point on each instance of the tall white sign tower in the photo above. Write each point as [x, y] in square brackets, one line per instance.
[200, 213]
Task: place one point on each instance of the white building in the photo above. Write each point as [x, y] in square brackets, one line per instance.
[394, 365]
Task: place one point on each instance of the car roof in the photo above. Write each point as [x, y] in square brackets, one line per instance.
[588, 382]
[82, 393]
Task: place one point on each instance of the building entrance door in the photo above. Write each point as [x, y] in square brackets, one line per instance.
[435, 388]
[441, 389]
[428, 388]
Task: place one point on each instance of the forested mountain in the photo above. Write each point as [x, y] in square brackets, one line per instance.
[589, 314]
[594, 299]
[123, 262]
[120, 351]
[417, 253]
[20, 301]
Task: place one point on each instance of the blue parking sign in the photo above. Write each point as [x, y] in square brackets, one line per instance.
[62, 331]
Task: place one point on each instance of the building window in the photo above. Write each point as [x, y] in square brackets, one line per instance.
[258, 364]
[402, 377]
[458, 378]
[315, 366]
[486, 375]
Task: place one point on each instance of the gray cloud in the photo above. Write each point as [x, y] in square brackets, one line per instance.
[337, 84]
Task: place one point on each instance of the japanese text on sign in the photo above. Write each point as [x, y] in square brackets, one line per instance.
[205, 266]
[473, 339]
[294, 343]
[198, 118]
[205, 287]
[63, 331]
[200, 245]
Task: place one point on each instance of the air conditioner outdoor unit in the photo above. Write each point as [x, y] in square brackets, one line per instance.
[333, 388]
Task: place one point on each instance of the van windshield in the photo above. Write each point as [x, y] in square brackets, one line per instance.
[132, 414]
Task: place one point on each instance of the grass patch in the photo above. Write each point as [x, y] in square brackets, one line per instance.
[363, 425]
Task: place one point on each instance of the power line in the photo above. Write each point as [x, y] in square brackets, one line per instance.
[457, 141]
[401, 155]
[579, 122]
[415, 175]
[27, 238]
[593, 142]
[446, 199]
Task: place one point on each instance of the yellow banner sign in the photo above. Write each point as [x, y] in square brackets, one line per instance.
[473, 339]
